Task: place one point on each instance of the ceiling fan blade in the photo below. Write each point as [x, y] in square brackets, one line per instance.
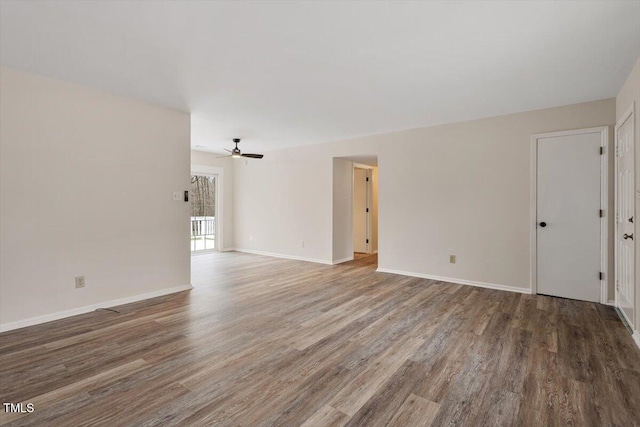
[227, 150]
[253, 156]
[219, 157]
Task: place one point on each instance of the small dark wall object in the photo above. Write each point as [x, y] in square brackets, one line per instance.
[186, 195]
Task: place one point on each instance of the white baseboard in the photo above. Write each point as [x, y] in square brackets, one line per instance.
[340, 261]
[275, 255]
[458, 281]
[88, 308]
[611, 303]
[636, 338]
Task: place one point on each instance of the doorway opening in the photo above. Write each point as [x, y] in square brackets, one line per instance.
[355, 209]
[364, 210]
[203, 199]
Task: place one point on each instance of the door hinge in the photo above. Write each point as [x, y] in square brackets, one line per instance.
[367, 240]
[601, 150]
[601, 275]
[367, 179]
[601, 213]
[367, 209]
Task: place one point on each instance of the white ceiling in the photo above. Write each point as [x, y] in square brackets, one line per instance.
[289, 73]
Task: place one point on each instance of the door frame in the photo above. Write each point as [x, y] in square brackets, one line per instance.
[604, 198]
[219, 174]
[628, 114]
[369, 195]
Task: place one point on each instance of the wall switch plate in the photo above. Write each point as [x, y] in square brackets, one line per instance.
[177, 196]
[79, 282]
[251, 238]
[452, 259]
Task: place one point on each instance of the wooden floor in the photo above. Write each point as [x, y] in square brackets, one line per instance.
[265, 341]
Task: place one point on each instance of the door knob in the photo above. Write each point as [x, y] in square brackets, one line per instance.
[626, 236]
[631, 219]
[543, 224]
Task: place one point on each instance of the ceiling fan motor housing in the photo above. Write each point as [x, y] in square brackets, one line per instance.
[237, 153]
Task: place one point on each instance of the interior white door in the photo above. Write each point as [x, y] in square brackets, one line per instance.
[625, 250]
[568, 216]
[360, 206]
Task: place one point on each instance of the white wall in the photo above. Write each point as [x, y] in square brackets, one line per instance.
[460, 188]
[86, 182]
[629, 94]
[202, 158]
[284, 199]
[463, 189]
[342, 210]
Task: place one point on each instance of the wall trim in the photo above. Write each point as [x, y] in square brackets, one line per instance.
[284, 256]
[89, 308]
[636, 338]
[457, 281]
[611, 303]
[340, 261]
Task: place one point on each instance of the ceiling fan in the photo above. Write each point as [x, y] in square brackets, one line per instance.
[236, 153]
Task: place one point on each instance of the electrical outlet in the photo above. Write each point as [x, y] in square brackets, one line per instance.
[452, 259]
[251, 238]
[79, 281]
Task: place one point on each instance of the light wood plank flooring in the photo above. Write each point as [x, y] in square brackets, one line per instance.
[263, 341]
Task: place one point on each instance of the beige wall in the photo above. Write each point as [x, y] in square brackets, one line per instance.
[628, 95]
[86, 182]
[202, 158]
[283, 199]
[342, 210]
[460, 189]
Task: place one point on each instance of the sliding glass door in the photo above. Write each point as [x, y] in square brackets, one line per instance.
[203, 212]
